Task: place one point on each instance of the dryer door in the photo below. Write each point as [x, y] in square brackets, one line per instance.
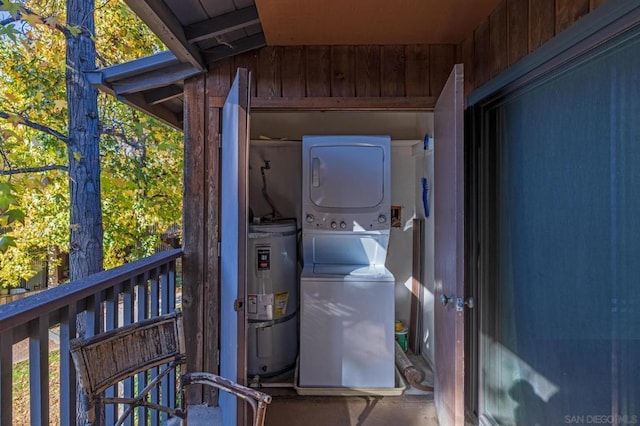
[346, 176]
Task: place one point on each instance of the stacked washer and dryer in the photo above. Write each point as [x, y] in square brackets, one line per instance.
[346, 293]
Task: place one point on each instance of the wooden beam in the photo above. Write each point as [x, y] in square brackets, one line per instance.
[425, 103]
[168, 28]
[162, 113]
[222, 24]
[155, 79]
[162, 94]
[235, 47]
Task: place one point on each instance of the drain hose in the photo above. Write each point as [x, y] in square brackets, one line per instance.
[411, 373]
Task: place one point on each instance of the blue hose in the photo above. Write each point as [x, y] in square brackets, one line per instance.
[425, 196]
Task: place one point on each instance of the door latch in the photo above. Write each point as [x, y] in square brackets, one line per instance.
[460, 302]
[237, 305]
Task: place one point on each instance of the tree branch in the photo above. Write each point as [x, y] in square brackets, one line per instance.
[16, 119]
[40, 169]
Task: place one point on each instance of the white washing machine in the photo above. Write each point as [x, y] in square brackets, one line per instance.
[346, 335]
[346, 293]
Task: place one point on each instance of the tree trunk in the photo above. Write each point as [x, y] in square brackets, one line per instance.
[85, 245]
[85, 248]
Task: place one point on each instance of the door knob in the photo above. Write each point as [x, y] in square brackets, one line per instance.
[445, 300]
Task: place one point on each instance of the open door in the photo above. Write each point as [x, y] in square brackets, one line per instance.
[233, 238]
[449, 265]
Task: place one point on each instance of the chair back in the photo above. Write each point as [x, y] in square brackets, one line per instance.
[105, 359]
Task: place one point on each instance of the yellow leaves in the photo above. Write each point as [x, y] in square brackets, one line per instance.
[15, 119]
[77, 155]
[52, 22]
[32, 19]
[59, 105]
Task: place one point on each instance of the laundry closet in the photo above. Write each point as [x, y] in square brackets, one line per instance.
[370, 237]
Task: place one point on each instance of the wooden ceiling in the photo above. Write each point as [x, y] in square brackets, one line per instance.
[313, 22]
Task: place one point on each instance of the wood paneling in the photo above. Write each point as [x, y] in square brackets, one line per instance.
[541, 22]
[318, 71]
[194, 261]
[482, 48]
[393, 72]
[499, 54]
[343, 73]
[594, 4]
[467, 58]
[442, 57]
[568, 12]
[269, 82]
[368, 71]
[515, 29]
[417, 70]
[517, 34]
[293, 71]
[249, 61]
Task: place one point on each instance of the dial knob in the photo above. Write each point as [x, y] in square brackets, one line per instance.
[310, 218]
[334, 225]
[343, 225]
[382, 218]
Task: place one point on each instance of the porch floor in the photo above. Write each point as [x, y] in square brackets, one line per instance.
[414, 407]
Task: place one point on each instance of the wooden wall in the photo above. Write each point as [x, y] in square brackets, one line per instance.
[344, 77]
[515, 29]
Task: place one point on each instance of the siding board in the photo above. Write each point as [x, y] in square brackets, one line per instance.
[442, 58]
[343, 75]
[248, 60]
[417, 70]
[517, 29]
[194, 228]
[499, 55]
[568, 12]
[541, 22]
[318, 71]
[393, 71]
[467, 58]
[482, 50]
[293, 71]
[269, 64]
[367, 71]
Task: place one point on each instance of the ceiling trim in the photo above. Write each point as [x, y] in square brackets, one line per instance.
[222, 24]
[167, 27]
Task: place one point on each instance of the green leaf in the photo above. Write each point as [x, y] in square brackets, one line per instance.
[74, 30]
[6, 242]
[11, 7]
[77, 155]
[15, 215]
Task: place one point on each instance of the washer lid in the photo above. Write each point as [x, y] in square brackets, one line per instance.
[350, 272]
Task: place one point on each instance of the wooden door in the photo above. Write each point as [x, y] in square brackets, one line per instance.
[449, 250]
[233, 238]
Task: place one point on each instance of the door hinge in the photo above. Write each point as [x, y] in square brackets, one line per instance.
[460, 302]
[218, 248]
[238, 305]
[218, 357]
[219, 138]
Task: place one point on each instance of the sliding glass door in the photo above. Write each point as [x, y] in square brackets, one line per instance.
[560, 296]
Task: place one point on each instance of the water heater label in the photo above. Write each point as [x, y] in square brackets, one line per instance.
[264, 259]
[260, 306]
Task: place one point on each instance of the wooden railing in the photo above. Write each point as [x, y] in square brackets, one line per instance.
[142, 289]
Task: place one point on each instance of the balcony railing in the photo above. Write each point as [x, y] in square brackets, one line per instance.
[110, 299]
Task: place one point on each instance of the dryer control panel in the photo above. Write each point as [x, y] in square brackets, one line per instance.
[346, 222]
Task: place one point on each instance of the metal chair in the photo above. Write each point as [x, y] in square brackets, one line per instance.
[104, 360]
